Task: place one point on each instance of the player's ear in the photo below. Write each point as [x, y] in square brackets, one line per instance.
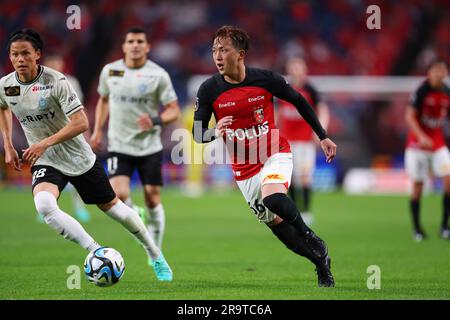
[241, 54]
[38, 54]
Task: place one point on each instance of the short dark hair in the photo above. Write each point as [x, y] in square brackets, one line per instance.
[135, 30]
[239, 37]
[436, 62]
[26, 35]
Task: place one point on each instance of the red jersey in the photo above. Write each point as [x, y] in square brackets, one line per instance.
[253, 136]
[432, 109]
[291, 123]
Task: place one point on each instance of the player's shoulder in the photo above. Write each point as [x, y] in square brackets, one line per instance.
[52, 74]
[211, 83]
[8, 80]
[258, 72]
[154, 67]
[309, 87]
[264, 76]
[116, 64]
[424, 87]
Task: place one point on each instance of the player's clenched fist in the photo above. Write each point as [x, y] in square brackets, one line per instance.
[223, 125]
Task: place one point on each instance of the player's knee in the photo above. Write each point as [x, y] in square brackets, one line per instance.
[106, 206]
[275, 202]
[45, 202]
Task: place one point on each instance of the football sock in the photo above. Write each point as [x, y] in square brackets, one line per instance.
[129, 202]
[132, 222]
[446, 212]
[156, 223]
[306, 196]
[415, 211]
[281, 205]
[62, 222]
[292, 239]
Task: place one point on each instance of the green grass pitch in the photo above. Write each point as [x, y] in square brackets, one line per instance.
[218, 250]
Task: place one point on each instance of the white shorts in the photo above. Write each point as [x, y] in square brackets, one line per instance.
[419, 163]
[277, 169]
[304, 157]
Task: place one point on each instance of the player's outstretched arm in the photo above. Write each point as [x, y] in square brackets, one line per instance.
[11, 156]
[78, 124]
[101, 114]
[411, 120]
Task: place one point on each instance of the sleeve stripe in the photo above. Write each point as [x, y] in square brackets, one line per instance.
[73, 109]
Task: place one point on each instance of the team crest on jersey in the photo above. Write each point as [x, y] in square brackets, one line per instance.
[116, 73]
[259, 114]
[12, 91]
[43, 103]
[142, 88]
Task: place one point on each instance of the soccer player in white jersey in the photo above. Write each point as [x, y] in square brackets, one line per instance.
[56, 62]
[53, 121]
[131, 91]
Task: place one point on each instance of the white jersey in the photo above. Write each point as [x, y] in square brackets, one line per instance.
[131, 93]
[76, 86]
[42, 107]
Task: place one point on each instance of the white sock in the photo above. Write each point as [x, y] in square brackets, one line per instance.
[131, 221]
[157, 223]
[61, 222]
[129, 202]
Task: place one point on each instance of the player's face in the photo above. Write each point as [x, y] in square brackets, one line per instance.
[24, 57]
[136, 46]
[297, 69]
[226, 56]
[438, 73]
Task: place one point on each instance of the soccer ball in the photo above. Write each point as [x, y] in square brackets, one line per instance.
[104, 266]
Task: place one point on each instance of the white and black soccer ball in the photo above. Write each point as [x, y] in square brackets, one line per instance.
[104, 266]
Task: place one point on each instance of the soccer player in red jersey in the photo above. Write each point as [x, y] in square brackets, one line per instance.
[300, 135]
[241, 99]
[425, 148]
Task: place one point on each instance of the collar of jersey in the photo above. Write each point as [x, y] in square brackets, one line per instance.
[40, 71]
[129, 68]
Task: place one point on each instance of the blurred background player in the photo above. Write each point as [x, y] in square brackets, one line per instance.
[300, 135]
[131, 91]
[56, 61]
[426, 149]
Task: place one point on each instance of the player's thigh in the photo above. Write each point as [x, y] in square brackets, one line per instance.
[150, 169]
[304, 161]
[276, 174]
[251, 190]
[441, 162]
[46, 178]
[93, 186]
[417, 164]
[121, 186]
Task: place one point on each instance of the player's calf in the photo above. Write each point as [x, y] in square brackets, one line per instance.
[61, 222]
